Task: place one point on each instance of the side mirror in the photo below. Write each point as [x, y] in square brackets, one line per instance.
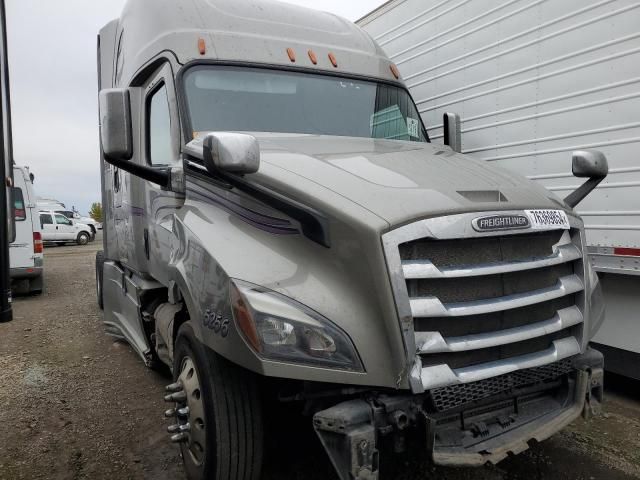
[116, 137]
[115, 124]
[451, 125]
[587, 163]
[231, 152]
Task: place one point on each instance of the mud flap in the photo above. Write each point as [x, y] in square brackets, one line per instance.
[348, 435]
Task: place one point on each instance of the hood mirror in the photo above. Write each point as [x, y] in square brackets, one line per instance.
[590, 164]
[236, 153]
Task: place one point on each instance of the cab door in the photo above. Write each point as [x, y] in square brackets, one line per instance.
[65, 231]
[48, 227]
[160, 131]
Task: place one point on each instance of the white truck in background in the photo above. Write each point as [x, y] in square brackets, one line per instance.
[59, 229]
[48, 204]
[532, 81]
[25, 251]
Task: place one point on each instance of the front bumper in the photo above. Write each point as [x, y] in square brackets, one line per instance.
[485, 430]
[503, 432]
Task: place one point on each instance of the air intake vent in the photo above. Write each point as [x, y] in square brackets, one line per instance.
[484, 196]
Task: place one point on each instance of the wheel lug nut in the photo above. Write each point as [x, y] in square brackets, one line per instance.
[184, 428]
[176, 397]
[179, 437]
[183, 412]
[170, 413]
[173, 428]
[174, 387]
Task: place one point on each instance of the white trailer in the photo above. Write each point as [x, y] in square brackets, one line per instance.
[534, 80]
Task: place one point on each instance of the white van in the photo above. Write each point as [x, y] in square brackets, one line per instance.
[26, 258]
[57, 228]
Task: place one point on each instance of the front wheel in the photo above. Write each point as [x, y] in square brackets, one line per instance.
[218, 413]
[83, 238]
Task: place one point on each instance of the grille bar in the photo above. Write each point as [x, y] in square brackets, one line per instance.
[423, 269]
[442, 375]
[433, 307]
[434, 342]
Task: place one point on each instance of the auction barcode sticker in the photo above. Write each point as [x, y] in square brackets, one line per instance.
[413, 127]
[548, 219]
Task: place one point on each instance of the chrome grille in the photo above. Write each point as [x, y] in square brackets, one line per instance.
[491, 303]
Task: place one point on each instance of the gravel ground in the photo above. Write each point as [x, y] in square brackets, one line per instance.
[74, 404]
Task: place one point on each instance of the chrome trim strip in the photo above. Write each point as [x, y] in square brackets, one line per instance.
[433, 307]
[434, 342]
[421, 269]
[441, 375]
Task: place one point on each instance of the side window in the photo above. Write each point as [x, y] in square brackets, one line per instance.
[66, 213]
[19, 211]
[45, 219]
[159, 128]
[62, 220]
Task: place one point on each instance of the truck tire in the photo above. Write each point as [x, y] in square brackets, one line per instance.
[225, 440]
[83, 238]
[99, 270]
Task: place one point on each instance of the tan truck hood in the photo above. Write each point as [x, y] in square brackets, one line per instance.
[400, 181]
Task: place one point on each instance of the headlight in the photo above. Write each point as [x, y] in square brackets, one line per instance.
[279, 328]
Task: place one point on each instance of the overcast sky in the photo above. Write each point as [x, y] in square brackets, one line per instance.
[52, 56]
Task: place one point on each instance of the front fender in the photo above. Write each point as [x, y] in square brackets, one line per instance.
[201, 241]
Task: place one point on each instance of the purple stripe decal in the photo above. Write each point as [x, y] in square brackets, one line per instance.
[266, 223]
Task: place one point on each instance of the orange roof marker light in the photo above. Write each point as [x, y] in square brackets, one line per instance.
[333, 60]
[312, 57]
[202, 46]
[292, 54]
[394, 70]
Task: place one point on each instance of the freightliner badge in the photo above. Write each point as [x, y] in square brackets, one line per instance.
[494, 223]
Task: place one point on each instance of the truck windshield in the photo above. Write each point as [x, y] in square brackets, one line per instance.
[263, 100]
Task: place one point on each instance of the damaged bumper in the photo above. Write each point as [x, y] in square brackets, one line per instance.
[464, 427]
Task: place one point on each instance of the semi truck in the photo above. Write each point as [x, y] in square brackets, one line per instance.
[280, 229]
[533, 80]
